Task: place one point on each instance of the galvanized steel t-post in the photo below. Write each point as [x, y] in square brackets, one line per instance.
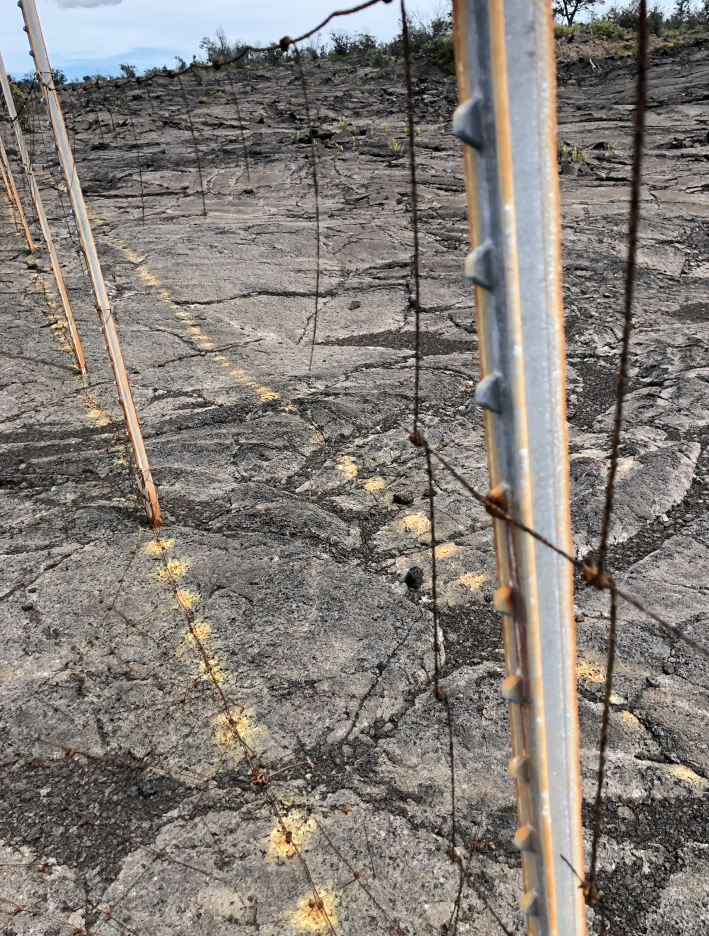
[507, 122]
[14, 196]
[44, 223]
[103, 305]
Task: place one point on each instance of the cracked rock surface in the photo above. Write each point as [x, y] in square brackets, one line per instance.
[280, 625]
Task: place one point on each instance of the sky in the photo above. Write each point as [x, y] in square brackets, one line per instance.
[88, 36]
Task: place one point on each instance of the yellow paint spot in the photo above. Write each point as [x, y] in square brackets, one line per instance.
[206, 345]
[375, 484]
[235, 730]
[310, 917]
[630, 719]
[265, 393]
[299, 828]
[156, 547]
[186, 599]
[348, 467]
[97, 413]
[592, 673]
[198, 634]
[446, 550]
[686, 775]
[413, 523]
[234, 373]
[471, 580]
[172, 568]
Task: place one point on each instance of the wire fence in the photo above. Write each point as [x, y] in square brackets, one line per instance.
[249, 777]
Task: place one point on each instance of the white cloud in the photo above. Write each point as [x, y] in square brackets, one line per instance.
[87, 3]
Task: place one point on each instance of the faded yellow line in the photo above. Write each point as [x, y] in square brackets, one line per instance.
[194, 332]
[198, 644]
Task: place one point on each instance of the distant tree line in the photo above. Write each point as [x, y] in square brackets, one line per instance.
[616, 21]
[429, 37]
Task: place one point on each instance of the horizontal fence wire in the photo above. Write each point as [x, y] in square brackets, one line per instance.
[259, 775]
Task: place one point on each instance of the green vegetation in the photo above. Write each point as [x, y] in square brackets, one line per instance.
[618, 23]
[430, 39]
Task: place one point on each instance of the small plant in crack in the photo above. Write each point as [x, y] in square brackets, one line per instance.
[577, 155]
[395, 147]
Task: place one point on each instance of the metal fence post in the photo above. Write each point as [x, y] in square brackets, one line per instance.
[13, 195]
[507, 122]
[103, 305]
[44, 223]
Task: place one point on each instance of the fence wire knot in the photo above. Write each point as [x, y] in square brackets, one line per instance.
[592, 896]
[594, 576]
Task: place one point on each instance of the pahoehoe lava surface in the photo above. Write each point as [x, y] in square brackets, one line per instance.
[296, 517]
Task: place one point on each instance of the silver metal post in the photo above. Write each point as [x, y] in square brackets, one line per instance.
[103, 305]
[14, 196]
[507, 122]
[44, 223]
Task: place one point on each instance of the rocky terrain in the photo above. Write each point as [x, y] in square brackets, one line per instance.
[282, 604]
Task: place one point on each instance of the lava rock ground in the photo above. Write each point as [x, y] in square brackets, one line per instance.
[296, 516]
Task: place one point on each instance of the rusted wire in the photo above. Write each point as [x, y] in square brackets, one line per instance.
[108, 108]
[256, 777]
[590, 891]
[194, 143]
[439, 694]
[244, 51]
[395, 925]
[244, 147]
[314, 162]
[633, 221]
[589, 568]
[90, 98]
[83, 930]
[414, 210]
[137, 153]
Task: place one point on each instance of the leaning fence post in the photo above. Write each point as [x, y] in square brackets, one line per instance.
[507, 122]
[103, 305]
[41, 214]
[13, 195]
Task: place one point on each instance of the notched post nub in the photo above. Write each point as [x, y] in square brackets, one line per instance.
[529, 904]
[478, 266]
[467, 122]
[488, 393]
